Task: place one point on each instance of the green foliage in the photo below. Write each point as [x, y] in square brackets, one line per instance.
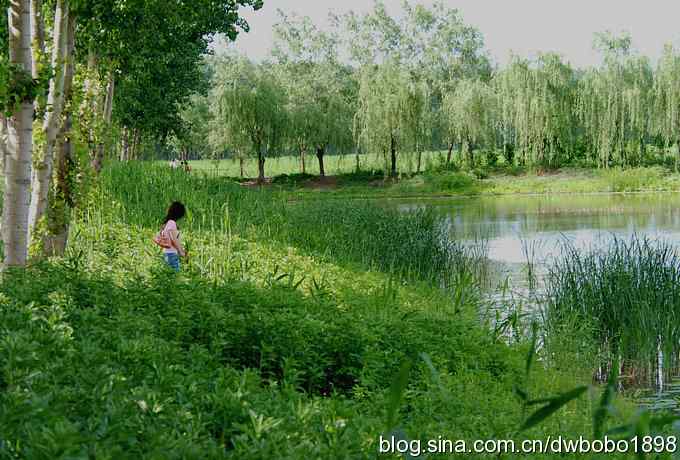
[392, 103]
[449, 181]
[434, 42]
[667, 97]
[4, 29]
[156, 49]
[252, 105]
[627, 291]
[536, 109]
[635, 179]
[470, 113]
[266, 347]
[18, 86]
[614, 107]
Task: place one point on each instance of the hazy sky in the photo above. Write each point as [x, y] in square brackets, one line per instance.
[521, 26]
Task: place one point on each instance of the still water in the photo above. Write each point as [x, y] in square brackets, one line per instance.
[518, 230]
[524, 235]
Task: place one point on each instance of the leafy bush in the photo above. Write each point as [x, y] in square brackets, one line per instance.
[452, 181]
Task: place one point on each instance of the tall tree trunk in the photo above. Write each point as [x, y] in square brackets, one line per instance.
[37, 36]
[38, 43]
[303, 167]
[320, 152]
[125, 145]
[90, 104]
[393, 155]
[133, 138]
[61, 196]
[358, 165]
[448, 155]
[240, 163]
[134, 151]
[260, 166]
[19, 145]
[42, 174]
[420, 161]
[3, 142]
[98, 159]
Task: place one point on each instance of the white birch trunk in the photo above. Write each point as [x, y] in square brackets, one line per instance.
[37, 35]
[98, 159]
[125, 145]
[3, 142]
[89, 105]
[61, 202]
[42, 174]
[19, 144]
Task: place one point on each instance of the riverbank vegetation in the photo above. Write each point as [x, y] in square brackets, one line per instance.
[437, 180]
[298, 327]
[272, 342]
[624, 297]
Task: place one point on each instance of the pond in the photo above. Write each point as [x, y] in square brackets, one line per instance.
[525, 234]
[523, 229]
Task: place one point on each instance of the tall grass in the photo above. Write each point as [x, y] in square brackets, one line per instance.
[412, 245]
[628, 295]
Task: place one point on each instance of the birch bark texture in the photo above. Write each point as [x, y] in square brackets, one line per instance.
[19, 144]
[61, 195]
[37, 36]
[98, 160]
[43, 164]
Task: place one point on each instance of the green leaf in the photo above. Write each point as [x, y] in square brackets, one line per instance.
[600, 413]
[433, 371]
[554, 404]
[396, 393]
[532, 348]
[523, 395]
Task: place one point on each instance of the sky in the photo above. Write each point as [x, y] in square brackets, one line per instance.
[523, 27]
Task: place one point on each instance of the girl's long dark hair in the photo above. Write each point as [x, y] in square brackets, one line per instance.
[175, 212]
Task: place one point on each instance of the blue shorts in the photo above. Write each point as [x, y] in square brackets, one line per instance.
[172, 259]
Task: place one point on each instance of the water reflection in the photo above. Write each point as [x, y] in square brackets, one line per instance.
[527, 233]
[585, 221]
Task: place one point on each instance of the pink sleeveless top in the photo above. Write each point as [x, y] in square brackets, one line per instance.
[171, 225]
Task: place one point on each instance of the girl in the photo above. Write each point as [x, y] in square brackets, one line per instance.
[173, 249]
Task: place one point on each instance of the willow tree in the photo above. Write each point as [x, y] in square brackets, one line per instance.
[614, 103]
[320, 90]
[391, 104]
[666, 117]
[470, 116]
[536, 116]
[252, 105]
[433, 42]
[18, 102]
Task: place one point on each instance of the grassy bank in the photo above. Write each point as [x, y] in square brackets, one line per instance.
[438, 180]
[295, 331]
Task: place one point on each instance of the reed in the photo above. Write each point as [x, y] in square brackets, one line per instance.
[629, 295]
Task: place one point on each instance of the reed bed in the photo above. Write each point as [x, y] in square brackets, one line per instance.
[628, 295]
